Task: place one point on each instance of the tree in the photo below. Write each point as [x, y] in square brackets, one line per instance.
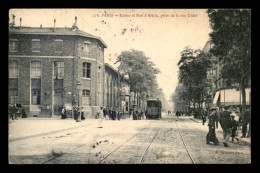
[140, 70]
[193, 67]
[231, 37]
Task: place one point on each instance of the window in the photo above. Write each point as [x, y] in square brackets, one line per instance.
[36, 47]
[86, 47]
[126, 107]
[13, 99]
[13, 69]
[100, 51]
[35, 69]
[86, 70]
[58, 70]
[58, 45]
[13, 45]
[99, 76]
[86, 97]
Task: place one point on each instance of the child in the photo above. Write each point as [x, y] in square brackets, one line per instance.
[234, 128]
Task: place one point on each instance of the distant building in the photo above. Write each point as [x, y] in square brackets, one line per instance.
[47, 64]
[219, 94]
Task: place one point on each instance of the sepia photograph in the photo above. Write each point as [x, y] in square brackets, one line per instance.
[129, 86]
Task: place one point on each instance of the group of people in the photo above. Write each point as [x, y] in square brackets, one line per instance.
[138, 114]
[16, 111]
[179, 113]
[111, 114]
[230, 121]
[107, 113]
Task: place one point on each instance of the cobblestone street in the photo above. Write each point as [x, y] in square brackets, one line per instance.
[169, 140]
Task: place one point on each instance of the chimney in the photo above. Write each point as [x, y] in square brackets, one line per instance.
[74, 26]
[54, 23]
[41, 25]
[13, 19]
[20, 22]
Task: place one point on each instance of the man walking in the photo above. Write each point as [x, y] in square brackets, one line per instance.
[245, 121]
[100, 116]
[225, 122]
[211, 136]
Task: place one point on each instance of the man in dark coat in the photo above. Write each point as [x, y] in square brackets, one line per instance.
[226, 124]
[211, 136]
[245, 121]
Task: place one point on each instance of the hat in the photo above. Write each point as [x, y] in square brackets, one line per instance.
[226, 107]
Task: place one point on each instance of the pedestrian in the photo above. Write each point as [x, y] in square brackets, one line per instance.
[113, 114]
[142, 112]
[211, 136]
[225, 122]
[12, 111]
[234, 128]
[63, 113]
[76, 112]
[104, 112]
[245, 121]
[177, 114]
[100, 117]
[204, 115]
[134, 115]
[15, 111]
[139, 113]
[118, 114]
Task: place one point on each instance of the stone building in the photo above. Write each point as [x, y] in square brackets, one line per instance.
[116, 92]
[219, 94]
[54, 67]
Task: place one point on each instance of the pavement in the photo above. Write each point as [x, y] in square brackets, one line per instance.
[30, 127]
[25, 128]
[219, 130]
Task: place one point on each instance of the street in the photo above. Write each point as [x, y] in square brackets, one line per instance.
[166, 141]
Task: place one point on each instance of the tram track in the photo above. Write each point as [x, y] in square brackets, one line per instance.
[93, 141]
[129, 139]
[186, 148]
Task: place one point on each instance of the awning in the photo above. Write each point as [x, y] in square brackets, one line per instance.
[216, 97]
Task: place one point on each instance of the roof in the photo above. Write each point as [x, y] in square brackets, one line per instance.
[50, 31]
[109, 66]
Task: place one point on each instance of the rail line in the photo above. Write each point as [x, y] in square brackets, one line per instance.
[128, 141]
[193, 161]
[78, 147]
[144, 153]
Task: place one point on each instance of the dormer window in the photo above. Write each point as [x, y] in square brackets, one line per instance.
[36, 47]
[13, 45]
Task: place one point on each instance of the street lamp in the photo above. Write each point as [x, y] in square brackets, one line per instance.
[79, 116]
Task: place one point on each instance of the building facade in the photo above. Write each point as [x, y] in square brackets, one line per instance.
[116, 92]
[219, 94]
[54, 67]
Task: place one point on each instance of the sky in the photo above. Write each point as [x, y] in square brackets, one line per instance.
[160, 33]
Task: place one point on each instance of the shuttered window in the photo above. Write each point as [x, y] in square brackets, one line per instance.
[13, 69]
[13, 45]
[36, 45]
[35, 69]
[58, 70]
[58, 45]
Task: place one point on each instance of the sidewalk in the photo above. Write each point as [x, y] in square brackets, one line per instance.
[30, 127]
[219, 130]
[25, 128]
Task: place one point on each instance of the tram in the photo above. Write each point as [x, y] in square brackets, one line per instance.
[153, 109]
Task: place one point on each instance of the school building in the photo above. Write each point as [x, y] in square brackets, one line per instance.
[51, 67]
